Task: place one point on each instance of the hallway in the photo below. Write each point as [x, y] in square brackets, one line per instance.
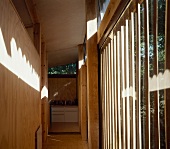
[65, 141]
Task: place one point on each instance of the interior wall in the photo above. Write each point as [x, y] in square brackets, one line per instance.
[62, 88]
[19, 83]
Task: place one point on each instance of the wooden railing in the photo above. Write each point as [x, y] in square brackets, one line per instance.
[135, 78]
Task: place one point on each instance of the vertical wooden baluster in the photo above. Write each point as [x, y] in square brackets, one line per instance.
[112, 92]
[105, 130]
[115, 91]
[118, 88]
[133, 79]
[123, 85]
[127, 83]
[101, 94]
[107, 54]
[110, 98]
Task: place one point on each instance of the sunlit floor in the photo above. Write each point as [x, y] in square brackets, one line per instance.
[59, 127]
[65, 141]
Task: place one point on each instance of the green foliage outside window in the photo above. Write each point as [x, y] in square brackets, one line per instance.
[64, 69]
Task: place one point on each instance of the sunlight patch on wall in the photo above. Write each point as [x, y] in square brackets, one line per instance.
[18, 64]
[128, 92]
[44, 92]
[81, 62]
[91, 28]
[162, 81]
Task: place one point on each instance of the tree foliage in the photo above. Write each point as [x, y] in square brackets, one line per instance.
[64, 69]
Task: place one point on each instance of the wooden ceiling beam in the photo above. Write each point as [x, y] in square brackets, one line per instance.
[32, 10]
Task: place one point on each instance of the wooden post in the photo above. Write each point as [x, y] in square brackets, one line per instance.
[80, 56]
[83, 98]
[80, 63]
[44, 93]
[92, 75]
[37, 37]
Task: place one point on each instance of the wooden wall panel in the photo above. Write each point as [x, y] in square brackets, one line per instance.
[19, 83]
[65, 87]
[83, 99]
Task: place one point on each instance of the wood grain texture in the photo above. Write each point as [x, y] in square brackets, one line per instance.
[32, 10]
[37, 37]
[92, 92]
[19, 102]
[83, 98]
[58, 89]
[44, 92]
[112, 7]
[92, 77]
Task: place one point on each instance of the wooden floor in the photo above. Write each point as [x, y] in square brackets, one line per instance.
[59, 127]
[65, 141]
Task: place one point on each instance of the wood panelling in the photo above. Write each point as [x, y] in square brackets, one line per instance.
[92, 75]
[32, 10]
[19, 83]
[37, 37]
[62, 88]
[83, 99]
[44, 92]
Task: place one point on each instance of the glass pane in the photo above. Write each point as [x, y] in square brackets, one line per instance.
[65, 69]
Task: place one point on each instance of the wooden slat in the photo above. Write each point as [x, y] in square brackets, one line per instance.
[101, 98]
[110, 98]
[167, 67]
[115, 91]
[156, 93]
[147, 94]
[138, 78]
[118, 89]
[133, 80]
[127, 83]
[112, 91]
[104, 97]
[123, 86]
[107, 99]
[104, 73]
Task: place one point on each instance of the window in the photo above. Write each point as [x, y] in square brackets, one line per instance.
[65, 69]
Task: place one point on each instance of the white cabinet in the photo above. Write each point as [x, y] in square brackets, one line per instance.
[64, 113]
[71, 114]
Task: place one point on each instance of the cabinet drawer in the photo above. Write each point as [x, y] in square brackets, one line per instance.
[59, 117]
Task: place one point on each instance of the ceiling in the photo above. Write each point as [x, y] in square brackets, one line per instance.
[63, 27]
